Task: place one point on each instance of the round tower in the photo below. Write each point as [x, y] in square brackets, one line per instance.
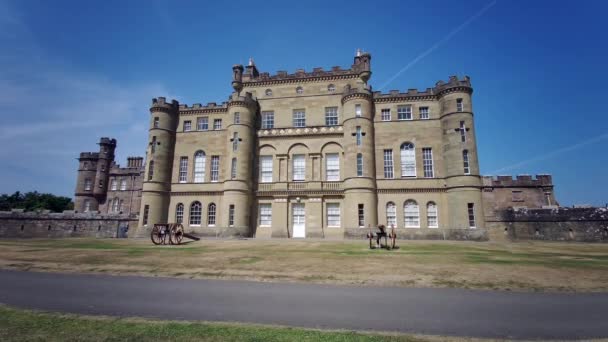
[107, 147]
[236, 202]
[359, 161]
[460, 153]
[164, 118]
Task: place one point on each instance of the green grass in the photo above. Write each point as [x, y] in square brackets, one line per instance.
[24, 325]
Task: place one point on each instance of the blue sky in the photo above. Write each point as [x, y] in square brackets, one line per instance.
[72, 71]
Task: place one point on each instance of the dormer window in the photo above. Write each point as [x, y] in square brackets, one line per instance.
[299, 90]
[331, 88]
[268, 92]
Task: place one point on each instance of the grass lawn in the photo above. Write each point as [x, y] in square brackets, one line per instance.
[523, 266]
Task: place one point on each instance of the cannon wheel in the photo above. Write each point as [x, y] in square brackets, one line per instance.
[177, 234]
[156, 236]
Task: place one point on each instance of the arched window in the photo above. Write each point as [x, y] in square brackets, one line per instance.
[411, 214]
[408, 160]
[151, 170]
[211, 215]
[268, 92]
[179, 213]
[331, 88]
[199, 167]
[299, 90]
[195, 213]
[391, 214]
[432, 215]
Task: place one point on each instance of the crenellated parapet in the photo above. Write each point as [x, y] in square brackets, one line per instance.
[209, 108]
[356, 92]
[160, 104]
[520, 181]
[247, 100]
[454, 84]
[441, 88]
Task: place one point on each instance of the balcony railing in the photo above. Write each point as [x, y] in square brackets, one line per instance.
[301, 186]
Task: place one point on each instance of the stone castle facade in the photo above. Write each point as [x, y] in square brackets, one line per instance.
[309, 154]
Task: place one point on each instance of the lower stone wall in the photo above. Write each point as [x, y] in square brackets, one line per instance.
[558, 224]
[18, 224]
[425, 234]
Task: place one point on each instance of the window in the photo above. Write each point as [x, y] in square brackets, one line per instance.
[235, 141]
[200, 160]
[231, 215]
[265, 214]
[265, 169]
[183, 169]
[211, 214]
[424, 112]
[113, 185]
[179, 213]
[391, 214]
[156, 122]
[233, 168]
[299, 118]
[404, 113]
[237, 118]
[100, 183]
[358, 110]
[202, 123]
[215, 168]
[153, 145]
[386, 114]
[463, 132]
[299, 90]
[359, 165]
[146, 212]
[331, 116]
[120, 205]
[299, 167]
[408, 160]
[87, 206]
[87, 184]
[333, 214]
[267, 120]
[123, 184]
[427, 162]
[331, 88]
[459, 107]
[151, 170]
[358, 135]
[465, 162]
[471, 212]
[217, 124]
[411, 214]
[115, 204]
[195, 213]
[332, 167]
[388, 164]
[361, 214]
[187, 126]
[431, 215]
[517, 196]
[268, 92]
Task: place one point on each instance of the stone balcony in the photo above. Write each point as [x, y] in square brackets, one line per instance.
[290, 187]
[292, 131]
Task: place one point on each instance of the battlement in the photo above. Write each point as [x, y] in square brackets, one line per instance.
[519, 181]
[210, 106]
[161, 103]
[283, 75]
[89, 155]
[439, 88]
[107, 141]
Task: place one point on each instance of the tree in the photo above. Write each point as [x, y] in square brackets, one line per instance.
[35, 201]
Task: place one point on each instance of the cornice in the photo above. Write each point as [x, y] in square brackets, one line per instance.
[163, 109]
[294, 80]
[304, 131]
[353, 96]
[454, 89]
[410, 190]
[203, 111]
[405, 98]
[197, 193]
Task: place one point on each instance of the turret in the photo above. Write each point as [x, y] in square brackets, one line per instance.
[362, 64]
[107, 147]
[237, 78]
[164, 117]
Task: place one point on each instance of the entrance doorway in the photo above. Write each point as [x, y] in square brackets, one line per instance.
[299, 217]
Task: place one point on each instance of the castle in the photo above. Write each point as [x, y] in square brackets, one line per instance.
[309, 154]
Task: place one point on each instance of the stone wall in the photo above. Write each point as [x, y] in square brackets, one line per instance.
[19, 224]
[557, 224]
[470, 234]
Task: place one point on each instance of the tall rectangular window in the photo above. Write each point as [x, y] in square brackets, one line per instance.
[331, 116]
[87, 206]
[359, 165]
[231, 215]
[202, 123]
[332, 167]
[233, 168]
[333, 214]
[299, 118]
[424, 113]
[265, 214]
[265, 169]
[146, 212]
[358, 135]
[88, 184]
[267, 120]
[404, 113]
[388, 164]
[123, 184]
[237, 118]
[215, 168]
[358, 111]
[156, 122]
[299, 167]
[465, 161]
[463, 132]
[217, 124]
[459, 107]
[471, 212]
[150, 170]
[386, 114]
[113, 185]
[183, 169]
[361, 215]
[427, 162]
[187, 126]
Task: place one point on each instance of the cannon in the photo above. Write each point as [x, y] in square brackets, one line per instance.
[392, 236]
[169, 233]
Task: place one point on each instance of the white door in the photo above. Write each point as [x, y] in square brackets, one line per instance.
[299, 225]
